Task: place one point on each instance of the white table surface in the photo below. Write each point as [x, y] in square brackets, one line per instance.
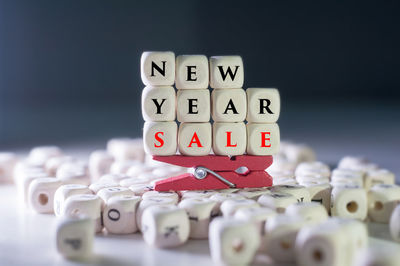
[27, 238]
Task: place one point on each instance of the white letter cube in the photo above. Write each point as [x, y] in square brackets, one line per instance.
[194, 139]
[126, 149]
[382, 199]
[165, 226]
[349, 202]
[7, 162]
[193, 105]
[160, 138]
[74, 237]
[300, 192]
[228, 105]
[278, 201]
[233, 242]
[153, 201]
[199, 213]
[158, 104]
[41, 194]
[86, 205]
[230, 206]
[226, 72]
[99, 164]
[65, 191]
[394, 225]
[323, 244]
[281, 233]
[262, 139]
[119, 215]
[263, 105]
[229, 138]
[310, 211]
[192, 72]
[158, 68]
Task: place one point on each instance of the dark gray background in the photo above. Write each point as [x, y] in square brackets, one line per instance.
[69, 70]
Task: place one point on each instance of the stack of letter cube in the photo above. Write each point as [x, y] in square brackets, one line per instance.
[243, 121]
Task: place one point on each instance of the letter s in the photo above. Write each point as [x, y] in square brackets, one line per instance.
[159, 139]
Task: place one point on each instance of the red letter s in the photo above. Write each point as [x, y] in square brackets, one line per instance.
[159, 139]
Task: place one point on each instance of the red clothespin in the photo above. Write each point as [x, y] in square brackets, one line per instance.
[216, 172]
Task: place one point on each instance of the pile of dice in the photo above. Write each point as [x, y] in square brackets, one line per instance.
[312, 215]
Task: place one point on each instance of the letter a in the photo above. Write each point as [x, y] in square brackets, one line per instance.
[230, 106]
[195, 139]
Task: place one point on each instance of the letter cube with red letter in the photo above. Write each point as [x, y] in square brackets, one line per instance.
[194, 139]
[262, 139]
[192, 72]
[226, 72]
[160, 138]
[158, 68]
[193, 105]
[229, 138]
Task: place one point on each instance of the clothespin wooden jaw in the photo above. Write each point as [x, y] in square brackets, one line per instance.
[216, 172]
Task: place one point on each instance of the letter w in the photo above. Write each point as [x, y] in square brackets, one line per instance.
[228, 71]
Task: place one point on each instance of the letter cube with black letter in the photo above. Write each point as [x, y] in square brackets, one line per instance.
[191, 72]
[193, 105]
[158, 68]
[226, 72]
[158, 104]
[264, 105]
[229, 105]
